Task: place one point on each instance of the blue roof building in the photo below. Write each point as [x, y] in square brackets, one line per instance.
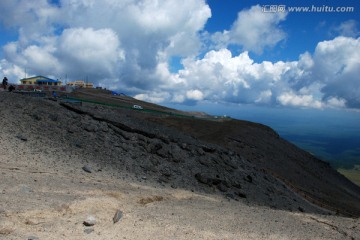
[40, 80]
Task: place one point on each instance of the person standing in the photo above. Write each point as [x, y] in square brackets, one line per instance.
[5, 83]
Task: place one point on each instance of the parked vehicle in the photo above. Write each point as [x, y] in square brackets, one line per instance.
[137, 107]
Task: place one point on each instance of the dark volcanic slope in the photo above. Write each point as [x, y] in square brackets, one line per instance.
[314, 179]
[240, 160]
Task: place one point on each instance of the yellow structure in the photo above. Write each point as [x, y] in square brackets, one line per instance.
[40, 80]
[80, 83]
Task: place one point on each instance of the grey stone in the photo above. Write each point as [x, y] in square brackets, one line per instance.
[236, 184]
[222, 187]
[204, 161]
[33, 238]
[162, 152]
[118, 215]
[200, 151]
[91, 128]
[53, 117]
[208, 149]
[248, 178]
[240, 194]
[201, 178]
[88, 230]
[184, 146]
[78, 145]
[166, 172]
[87, 169]
[90, 221]
[26, 189]
[36, 116]
[22, 138]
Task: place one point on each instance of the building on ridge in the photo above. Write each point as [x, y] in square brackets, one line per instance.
[41, 81]
[81, 84]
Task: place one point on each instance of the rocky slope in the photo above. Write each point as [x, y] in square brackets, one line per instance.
[259, 145]
[110, 137]
[242, 162]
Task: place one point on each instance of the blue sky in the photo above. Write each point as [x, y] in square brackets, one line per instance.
[225, 57]
[304, 30]
[222, 52]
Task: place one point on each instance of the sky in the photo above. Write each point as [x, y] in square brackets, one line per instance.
[165, 51]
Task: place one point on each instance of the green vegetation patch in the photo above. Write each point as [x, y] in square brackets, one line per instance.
[352, 174]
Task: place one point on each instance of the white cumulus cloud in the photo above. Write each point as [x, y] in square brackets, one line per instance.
[292, 99]
[115, 43]
[128, 46]
[254, 30]
[337, 67]
[194, 95]
[326, 78]
[95, 52]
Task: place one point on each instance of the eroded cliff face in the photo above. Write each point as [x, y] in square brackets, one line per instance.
[239, 160]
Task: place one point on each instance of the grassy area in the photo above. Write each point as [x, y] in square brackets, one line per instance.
[352, 174]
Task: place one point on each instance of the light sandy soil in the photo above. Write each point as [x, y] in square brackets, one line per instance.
[44, 198]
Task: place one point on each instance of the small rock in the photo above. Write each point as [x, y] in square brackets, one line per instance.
[222, 188]
[184, 146]
[200, 151]
[240, 194]
[230, 196]
[90, 221]
[118, 215]
[166, 172]
[87, 169]
[249, 179]
[91, 128]
[208, 149]
[236, 184]
[88, 230]
[78, 145]
[36, 116]
[201, 178]
[22, 138]
[204, 161]
[6, 231]
[53, 117]
[26, 189]
[162, 152]
[301, 209]
[163, 179]
[31, 222]
[33, 238]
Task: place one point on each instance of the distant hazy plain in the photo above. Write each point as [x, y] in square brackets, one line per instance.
[331, 134]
